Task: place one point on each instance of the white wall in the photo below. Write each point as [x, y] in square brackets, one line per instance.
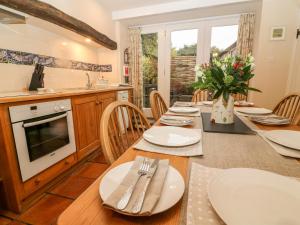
[294, 78]
[32, 39]
[40, 40]
[273, 58]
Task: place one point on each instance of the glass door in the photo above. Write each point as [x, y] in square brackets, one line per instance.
[183, 61]
[150, 68]
[171, 51]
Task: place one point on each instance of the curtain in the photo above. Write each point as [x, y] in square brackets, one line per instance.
[135, 65]
[245, 34]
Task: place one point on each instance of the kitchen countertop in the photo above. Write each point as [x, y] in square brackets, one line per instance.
[10, 97]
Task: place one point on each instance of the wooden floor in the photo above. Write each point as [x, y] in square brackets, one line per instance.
[59, 197]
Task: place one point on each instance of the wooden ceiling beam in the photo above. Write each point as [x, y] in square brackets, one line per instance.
[51, 14]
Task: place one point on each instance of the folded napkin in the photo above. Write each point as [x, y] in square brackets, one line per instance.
[153, 192]
[282, 150]
[191, 150]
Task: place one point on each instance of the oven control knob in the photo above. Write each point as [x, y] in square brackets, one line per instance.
[56, 108]
[62, 107]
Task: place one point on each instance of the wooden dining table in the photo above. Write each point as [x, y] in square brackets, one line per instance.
[88, 208]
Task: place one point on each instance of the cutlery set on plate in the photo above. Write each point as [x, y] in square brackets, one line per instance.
[146, 169]
[142, 187]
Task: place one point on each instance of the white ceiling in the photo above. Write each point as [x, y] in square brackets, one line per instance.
[129, 9]
[114, 5]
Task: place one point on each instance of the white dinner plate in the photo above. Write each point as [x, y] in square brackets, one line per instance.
[172, 191]
[287, 138]
[255, 197]
[172, 136]
[254, 111]
[184, 109]
[176, 121]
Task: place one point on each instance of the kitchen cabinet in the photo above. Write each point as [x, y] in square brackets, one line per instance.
[87, 111]
[87, 108]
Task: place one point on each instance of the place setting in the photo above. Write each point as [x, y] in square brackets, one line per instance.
[243, 103]
[260, 197]
[271, 120]
[253, 111]
[184, 111]
[142, 187]
[285, 142]
[171, 140]
[176, 120]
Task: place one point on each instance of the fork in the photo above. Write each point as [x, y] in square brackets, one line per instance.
[143, 170]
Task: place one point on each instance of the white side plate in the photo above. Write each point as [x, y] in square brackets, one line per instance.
[255, 197]
[172, 191]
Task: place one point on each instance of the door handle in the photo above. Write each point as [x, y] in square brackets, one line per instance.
[44, 121]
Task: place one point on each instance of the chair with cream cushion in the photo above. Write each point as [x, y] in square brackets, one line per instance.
[121, 125]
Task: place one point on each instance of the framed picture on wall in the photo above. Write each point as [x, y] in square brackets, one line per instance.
[277, 33]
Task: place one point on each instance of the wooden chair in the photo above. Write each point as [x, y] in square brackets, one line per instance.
[289, 107]
[200, 95]
[239, 97]
[158, 105]
[121, 125]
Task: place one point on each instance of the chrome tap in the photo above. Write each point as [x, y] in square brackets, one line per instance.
[89, 83]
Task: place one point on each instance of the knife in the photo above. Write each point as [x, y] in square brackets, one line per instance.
[137, 207]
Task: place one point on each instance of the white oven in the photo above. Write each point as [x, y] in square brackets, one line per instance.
[43, 133]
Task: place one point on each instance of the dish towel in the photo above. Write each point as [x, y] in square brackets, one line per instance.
[153, 192]
[282, 150]
[191, 150]
[199, 209]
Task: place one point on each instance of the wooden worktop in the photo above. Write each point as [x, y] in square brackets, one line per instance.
[34, 95]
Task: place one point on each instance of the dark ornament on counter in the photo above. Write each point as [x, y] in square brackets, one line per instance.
[37, 79]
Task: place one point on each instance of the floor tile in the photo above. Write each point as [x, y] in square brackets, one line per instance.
[4, 221]
[91, 170]
[98, 159]
[9, 214]
[45, 211]
[17, 223]
[72, 187]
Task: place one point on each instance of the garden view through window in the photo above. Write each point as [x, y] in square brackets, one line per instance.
[183, 61]
[184, 45]
[149, 62]
[223, 41]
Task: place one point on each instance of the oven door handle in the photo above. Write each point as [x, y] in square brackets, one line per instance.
[44, 121]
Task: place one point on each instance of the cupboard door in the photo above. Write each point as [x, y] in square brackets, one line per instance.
[105, 99]
[86, 123]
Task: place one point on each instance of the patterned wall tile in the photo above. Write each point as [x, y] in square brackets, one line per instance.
[25, 58]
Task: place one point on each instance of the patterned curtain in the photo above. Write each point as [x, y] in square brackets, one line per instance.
[135, 65]
[245, 34]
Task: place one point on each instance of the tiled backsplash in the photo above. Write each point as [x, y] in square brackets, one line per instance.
[25, 58]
